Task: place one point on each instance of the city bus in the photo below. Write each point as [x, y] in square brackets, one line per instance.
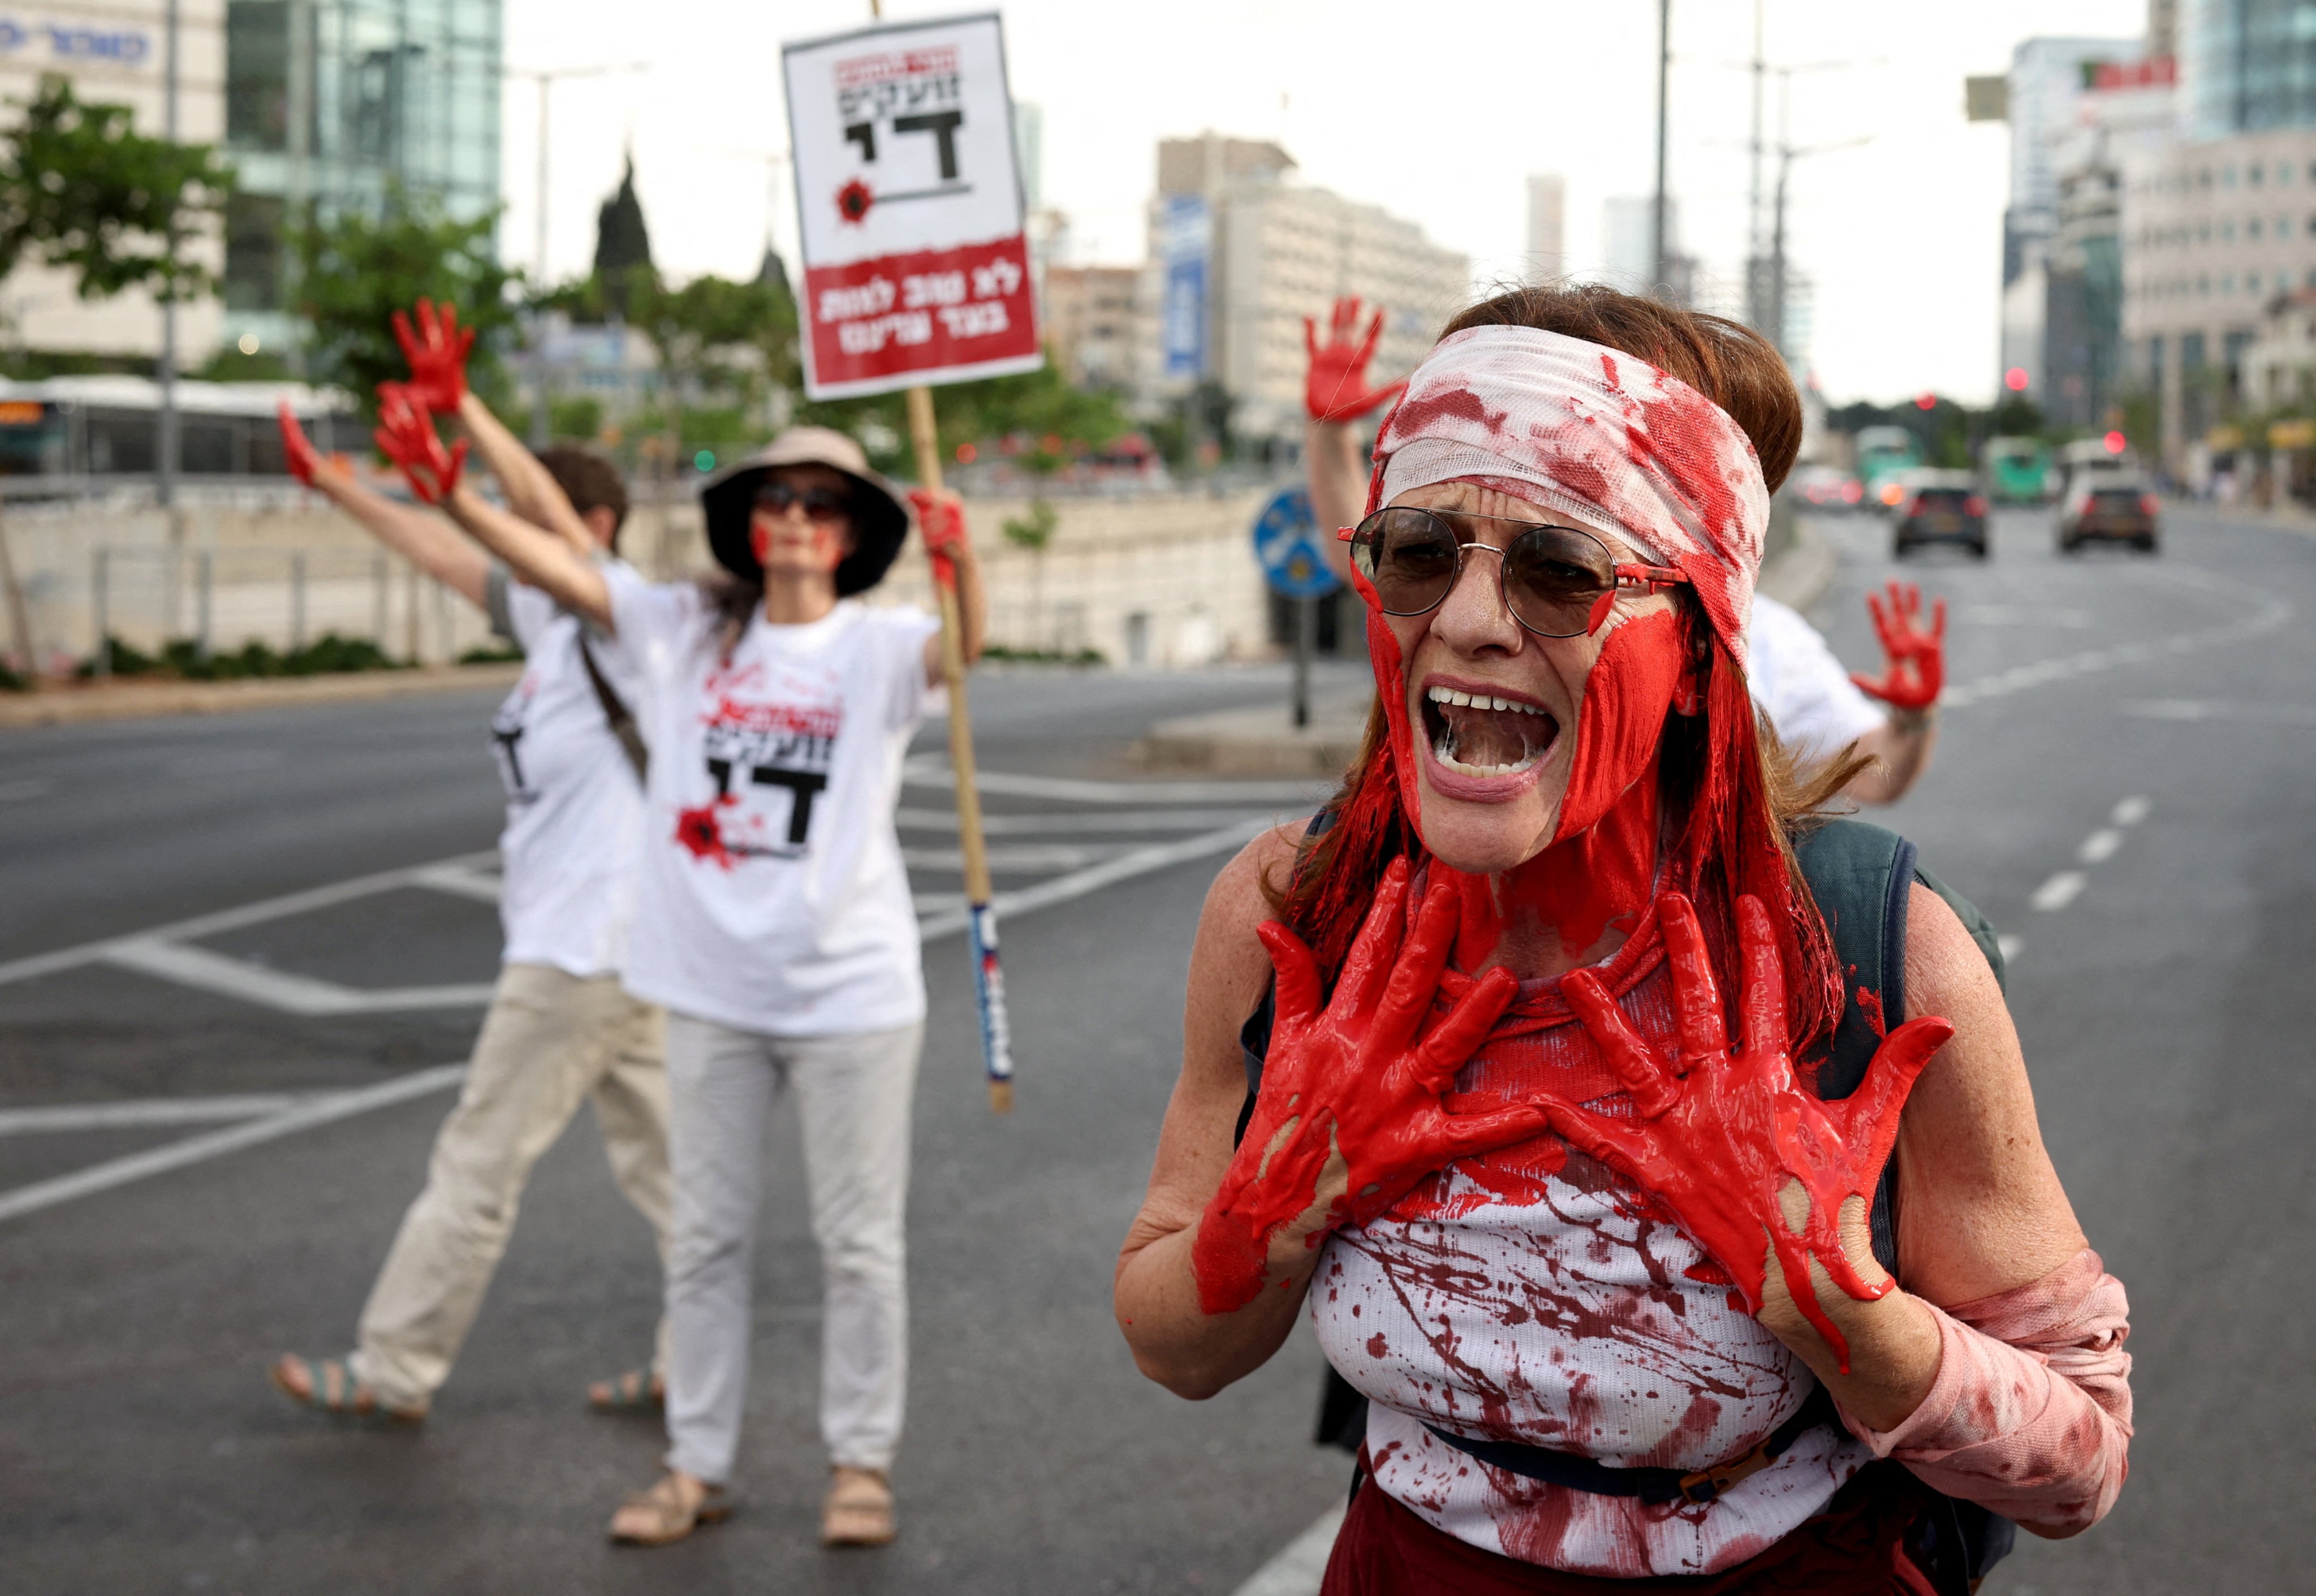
[2019, 471]
[1883, 452]
[63, 430]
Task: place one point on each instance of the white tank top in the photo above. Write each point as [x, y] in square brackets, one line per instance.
[1535, 1295]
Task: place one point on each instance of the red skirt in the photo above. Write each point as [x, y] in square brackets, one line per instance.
[1855, 1548]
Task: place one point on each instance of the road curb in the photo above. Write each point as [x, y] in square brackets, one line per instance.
[83, 702]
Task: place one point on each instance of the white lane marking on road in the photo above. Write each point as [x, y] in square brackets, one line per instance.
[1015, 857]
[233, 919]
[1064, 825]
[138, 1166]
[2100, 845]
[1298, 1570]
[136, 1113]
[460, 881]
[2041, 672]
[932, 770]
[2059, 891]
[198, 968]
[14, 792]
[2130, 811]
[2215, 710]
[1061, 889]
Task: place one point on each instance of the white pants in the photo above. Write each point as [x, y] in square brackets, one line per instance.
[854, 1094]
[550, 1042]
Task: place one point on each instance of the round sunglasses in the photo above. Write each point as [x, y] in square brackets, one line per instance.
[1555, 581]
[821, 504]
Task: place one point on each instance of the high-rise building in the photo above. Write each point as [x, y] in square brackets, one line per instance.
[1090, 323]
[1241, 253]
[115, 52]
[1547, 247]
[330, 104]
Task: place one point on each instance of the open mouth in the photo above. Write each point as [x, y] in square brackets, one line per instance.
[1480, 736]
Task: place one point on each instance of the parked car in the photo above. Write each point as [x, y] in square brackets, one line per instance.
[1939, 507]
[1829, 487]
[2112, 507]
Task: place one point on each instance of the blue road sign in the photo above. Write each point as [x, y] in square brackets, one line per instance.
[1287, 543]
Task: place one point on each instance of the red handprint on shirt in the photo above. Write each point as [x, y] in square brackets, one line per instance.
[1918, 658]
[437, 353]
[405, 435]
[940, 517]
[1350, 1104]
[1335, 387]
[1718, 1133]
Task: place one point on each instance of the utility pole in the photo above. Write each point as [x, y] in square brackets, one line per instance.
[164, 442]
[1664, 245]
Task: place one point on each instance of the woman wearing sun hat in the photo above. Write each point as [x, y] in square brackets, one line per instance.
[774, 920]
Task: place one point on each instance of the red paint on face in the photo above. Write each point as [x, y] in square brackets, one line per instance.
[1627, 697]
[702, 836]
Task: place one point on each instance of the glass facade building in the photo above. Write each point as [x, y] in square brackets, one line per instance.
[331, 103]
[2249, 66]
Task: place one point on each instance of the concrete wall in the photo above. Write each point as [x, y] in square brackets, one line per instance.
[1159, 582]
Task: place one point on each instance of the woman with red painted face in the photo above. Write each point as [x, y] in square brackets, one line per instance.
[773, 922]
[1565, 1136]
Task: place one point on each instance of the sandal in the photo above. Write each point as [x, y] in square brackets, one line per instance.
[327, 1383]
[674, 1506]
[859, 1511]
[638, 1390]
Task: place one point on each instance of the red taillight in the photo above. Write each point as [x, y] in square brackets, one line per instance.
[1851, 493]
[2147, 505]
[1912, 507]
[1973, 506]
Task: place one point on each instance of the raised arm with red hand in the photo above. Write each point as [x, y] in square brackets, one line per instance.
[405, 435]
[437, 353]
[1918, 658]
[1721, 1134]
[1349, 1117]
[298, 451]
[1335, 387]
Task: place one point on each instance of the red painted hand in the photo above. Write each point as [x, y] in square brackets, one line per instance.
[940, 517]
[405, 435]
[1719, 1135]
[1335, 387]
[437, 353]
[1918, 658]
[1349, 1119]
[298, 451]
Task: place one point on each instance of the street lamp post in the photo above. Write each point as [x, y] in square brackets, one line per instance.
[165, 479]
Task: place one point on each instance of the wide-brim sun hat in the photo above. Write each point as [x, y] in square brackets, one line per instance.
[879, 521]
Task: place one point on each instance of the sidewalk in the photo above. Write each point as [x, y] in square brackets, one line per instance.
[71, 704]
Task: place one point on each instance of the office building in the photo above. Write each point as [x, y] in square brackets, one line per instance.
[1241, 253]
[1547, 244]
[1089, 318]
[332, 104]
[114, 52]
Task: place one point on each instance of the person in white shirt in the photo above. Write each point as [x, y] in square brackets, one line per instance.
[1820, 710]
[560, 1028]
[773, 920]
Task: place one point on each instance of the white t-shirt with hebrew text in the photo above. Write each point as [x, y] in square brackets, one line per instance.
[773, 896]
[574, 807]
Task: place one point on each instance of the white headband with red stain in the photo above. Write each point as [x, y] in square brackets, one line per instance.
[1597, 435]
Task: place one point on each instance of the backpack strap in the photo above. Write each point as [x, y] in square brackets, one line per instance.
[614, 710]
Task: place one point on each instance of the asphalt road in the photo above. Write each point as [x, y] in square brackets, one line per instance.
[2141, 726]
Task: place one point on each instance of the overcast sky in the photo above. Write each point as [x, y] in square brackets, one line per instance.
[1438, 122]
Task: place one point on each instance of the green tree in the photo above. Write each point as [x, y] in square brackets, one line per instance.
[82, 190]
[357, 269]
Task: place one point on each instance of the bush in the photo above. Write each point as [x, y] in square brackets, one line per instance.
[491, 653]
[328, 655]
[1044, 656]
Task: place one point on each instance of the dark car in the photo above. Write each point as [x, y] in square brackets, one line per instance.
[1940, 507]
[2110, 509]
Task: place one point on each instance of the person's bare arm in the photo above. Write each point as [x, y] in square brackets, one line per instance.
[565, 575]
[1901, 746]
[1156, 1295]
[418, 537]
[940, 522]
[530, 488]
[1339, 483]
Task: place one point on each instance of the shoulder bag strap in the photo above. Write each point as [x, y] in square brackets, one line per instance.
[622, 720]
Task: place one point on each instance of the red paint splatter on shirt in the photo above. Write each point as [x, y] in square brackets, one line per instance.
[702, 835]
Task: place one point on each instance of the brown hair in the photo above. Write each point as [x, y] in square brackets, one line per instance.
[1728, 362]
[589, 480]
[1726, 779]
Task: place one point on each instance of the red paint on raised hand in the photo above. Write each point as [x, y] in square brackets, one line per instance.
[405, 435]
[1918, 658]
[437, 353]
[1351, 1080]
[1718, 1132]
[298, 451]
[940, 517]
[1335, 387]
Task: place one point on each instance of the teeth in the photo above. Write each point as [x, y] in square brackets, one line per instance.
[1462, 769]
[1481, 700]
